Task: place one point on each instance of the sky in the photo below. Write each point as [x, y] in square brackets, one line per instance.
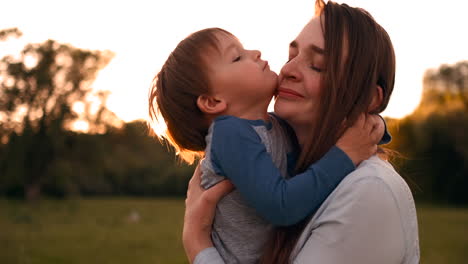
[142, 34]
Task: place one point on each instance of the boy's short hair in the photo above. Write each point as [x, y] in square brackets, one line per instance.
[175, 116]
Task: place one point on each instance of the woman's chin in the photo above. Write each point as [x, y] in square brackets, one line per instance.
[283, 108]
[295, 113]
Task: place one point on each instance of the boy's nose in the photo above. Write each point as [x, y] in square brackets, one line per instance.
[256, 54]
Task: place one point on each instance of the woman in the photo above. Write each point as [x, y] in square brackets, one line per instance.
[341, 65]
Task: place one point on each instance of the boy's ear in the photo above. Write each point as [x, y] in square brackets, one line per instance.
[211, 105]
[376, 100]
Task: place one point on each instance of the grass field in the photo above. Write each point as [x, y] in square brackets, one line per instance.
[148, 231]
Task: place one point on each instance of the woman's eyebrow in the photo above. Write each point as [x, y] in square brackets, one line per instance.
[316, 49]
[293, 44]
[311, 49]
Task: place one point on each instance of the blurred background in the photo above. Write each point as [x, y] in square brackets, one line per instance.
[82, 180]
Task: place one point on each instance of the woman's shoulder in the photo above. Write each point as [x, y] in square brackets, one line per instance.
[376, 180]
[373, 196]
[360, 186]
[370, 203]
[375, 184]
[374, 171]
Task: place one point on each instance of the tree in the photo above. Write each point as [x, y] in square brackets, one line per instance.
[446, 88]
[434, 136]
[37, 92]
[10, 32]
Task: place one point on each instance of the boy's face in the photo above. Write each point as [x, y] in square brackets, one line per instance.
[240, 77]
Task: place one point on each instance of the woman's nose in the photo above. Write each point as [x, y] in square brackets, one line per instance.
[291, 70]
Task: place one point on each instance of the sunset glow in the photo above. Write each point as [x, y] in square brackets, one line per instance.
[142, 33]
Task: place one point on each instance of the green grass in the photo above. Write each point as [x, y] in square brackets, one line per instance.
[92, 231]
[102, 231]
[443, 234]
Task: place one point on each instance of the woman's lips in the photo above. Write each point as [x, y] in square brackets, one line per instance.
[288, 93]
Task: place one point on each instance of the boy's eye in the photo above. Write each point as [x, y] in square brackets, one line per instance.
[237, 59]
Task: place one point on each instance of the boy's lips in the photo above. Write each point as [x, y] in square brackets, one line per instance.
[266, 65]
[288, 93]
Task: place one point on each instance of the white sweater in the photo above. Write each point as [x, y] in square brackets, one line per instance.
[369, 218]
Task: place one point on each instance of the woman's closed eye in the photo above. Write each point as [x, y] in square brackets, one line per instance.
[315, 68]
[238, 58]
[291, 57]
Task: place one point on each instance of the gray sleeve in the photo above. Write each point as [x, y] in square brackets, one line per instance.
[208, 256]
[209, 178]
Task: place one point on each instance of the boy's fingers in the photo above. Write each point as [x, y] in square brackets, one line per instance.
[378, 125]
[377, 128]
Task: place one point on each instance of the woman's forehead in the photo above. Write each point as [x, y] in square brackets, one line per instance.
[311, 34]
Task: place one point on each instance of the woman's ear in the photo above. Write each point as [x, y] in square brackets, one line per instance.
[211, 105]
[376, 100]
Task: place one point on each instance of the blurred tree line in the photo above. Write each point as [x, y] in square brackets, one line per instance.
[41, 154]
[433, 140]
[121, 161]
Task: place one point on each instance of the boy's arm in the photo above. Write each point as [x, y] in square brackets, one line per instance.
[239, 154]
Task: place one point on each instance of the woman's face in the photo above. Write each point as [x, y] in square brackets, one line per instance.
[300, 78]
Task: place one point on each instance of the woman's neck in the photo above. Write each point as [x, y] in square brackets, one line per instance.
[303, 133]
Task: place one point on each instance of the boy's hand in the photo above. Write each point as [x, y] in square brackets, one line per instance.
[360, 141]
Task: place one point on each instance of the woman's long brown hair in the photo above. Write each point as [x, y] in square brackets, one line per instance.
[351, 36]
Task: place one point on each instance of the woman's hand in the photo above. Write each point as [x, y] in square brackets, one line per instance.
[200, 208]
[360, 141]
